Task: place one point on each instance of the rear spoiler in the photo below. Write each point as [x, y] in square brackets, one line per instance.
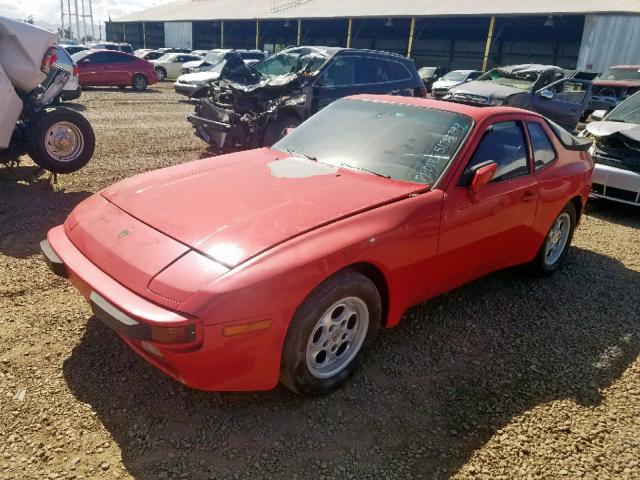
[580, 75]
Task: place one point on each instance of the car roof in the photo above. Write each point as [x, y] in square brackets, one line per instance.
[475, 112]
[529, 67]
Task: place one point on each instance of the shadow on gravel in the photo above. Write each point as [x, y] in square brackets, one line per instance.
[29, 210]
[78, 107]
[620, 213]
[433, 390]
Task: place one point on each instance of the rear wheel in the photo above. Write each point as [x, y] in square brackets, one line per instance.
[553, 251]
[61, 140]
[139, 82]
[161, 74]
[330, 333]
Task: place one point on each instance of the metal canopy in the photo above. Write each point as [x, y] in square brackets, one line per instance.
[194, 10]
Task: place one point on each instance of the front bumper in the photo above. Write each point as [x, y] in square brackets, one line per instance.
[186, 88]
[616, 184]
[68, 95]
[234, 363]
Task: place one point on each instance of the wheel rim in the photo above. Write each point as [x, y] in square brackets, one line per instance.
[557, 239]
[64, 142]
[160, 74]
[337, 337]
[139, 82]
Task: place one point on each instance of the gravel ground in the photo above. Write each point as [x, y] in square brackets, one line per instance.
[508, 377]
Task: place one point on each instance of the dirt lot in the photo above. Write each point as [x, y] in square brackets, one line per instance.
[508, 377]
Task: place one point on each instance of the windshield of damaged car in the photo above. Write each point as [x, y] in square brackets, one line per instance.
[455, 76]
[296, 60]
[521, 80]
[620, 74]
[627, 111]
[213, 57]
[402, 142]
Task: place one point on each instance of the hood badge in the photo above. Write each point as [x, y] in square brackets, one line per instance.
[124, 233]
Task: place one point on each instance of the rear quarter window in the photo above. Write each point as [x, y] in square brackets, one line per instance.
[543, 151]
[398, 71]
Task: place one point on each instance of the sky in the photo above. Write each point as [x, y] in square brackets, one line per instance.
[46, 13]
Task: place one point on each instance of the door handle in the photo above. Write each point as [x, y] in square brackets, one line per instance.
[528, 196]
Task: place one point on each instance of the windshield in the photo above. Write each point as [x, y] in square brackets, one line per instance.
[522, 80]
[80, 55]
[455, 76]
[403, 142]
[628, 111]
[292, 61]
[619, 74]
[213, 57]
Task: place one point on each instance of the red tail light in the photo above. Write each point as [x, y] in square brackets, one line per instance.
[49, 60]
[75, 70]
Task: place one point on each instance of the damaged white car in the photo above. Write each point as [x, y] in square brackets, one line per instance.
[616, 152]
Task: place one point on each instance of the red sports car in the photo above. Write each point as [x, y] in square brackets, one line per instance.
[283, 263]
[116, 69]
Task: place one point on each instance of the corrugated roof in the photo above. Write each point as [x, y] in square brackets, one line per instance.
[191, 10]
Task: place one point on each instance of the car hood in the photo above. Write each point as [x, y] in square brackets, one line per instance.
[605, 129]
[193, 64]
[487, 89]
[446, 83]
[198, 77]
[232, 208]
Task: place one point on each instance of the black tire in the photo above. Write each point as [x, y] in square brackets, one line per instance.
[161, 73]
[276, 129]
[139, 82]
[37, 140]
[295, 372]
[540, 265]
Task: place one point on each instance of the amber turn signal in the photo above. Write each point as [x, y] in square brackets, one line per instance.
[246, 328]
[184, 334]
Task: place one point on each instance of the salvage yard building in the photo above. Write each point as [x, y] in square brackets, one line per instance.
[462, 34]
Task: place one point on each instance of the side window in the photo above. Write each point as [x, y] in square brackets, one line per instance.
[475, 75]
[340, 72]
[570, 91]
[398, 70]
[543, 152]
[101, 57]
[371, 70]
[503, 143]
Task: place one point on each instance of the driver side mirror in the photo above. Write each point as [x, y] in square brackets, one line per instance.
[289, 131]
[598, 115]
[546, 93]
[482, 175]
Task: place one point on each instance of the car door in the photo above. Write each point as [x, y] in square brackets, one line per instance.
[563, 101]
[91, 69]
[493, 229]
[336, 81]
[116, 69]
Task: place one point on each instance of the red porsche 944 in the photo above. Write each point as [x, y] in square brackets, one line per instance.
[283, 263]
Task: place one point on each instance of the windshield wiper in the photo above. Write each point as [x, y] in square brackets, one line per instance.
[343, 164]
[293, 153]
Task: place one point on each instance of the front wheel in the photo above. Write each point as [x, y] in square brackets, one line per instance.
[61, 140]
[329, 334]
[277, 129]
[161, 73]
[557, 242]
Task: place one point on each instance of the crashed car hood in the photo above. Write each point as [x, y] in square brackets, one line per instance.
[605, 128]
[194, 64]
[198, 77]
[487, 89]
[234, 207]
